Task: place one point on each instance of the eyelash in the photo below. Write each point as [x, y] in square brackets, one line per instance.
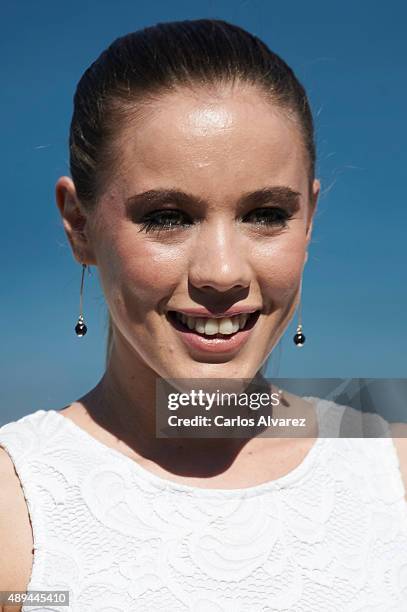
[149, 224]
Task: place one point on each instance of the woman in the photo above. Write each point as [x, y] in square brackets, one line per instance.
[193, 192]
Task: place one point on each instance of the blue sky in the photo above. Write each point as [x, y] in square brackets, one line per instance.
[351, 58]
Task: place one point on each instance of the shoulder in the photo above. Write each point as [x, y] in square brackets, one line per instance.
[399, 434]
[15, 529]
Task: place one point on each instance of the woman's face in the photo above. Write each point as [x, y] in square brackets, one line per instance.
[227, 172]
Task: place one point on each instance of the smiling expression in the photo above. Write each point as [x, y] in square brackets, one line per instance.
[208, 207]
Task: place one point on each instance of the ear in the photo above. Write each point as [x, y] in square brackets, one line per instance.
[316, 187]
[75, 221]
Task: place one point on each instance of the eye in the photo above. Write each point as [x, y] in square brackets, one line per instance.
[271, 216]
[163, 220]
[170, 219]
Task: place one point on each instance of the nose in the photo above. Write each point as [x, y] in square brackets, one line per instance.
[220, 260]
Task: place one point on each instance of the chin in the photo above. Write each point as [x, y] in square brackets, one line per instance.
[216, 369]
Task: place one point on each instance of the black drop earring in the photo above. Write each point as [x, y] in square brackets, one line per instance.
[80, 327]
[299, 337]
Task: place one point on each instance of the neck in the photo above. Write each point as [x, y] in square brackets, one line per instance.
[123, 403]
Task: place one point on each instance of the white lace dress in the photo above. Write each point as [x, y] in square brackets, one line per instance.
[329, 536]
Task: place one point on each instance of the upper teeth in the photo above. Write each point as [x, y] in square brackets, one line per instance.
[226, 325]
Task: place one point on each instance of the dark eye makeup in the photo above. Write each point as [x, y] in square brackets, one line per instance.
[169, 219]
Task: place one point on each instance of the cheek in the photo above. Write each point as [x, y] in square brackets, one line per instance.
[279, 268]
[138, 274]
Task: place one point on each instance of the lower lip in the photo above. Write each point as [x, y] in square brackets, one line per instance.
[217, 343]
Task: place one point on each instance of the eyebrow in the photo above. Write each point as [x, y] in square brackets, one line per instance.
[278, 195]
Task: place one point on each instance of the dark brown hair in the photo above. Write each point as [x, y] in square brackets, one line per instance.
[141, 66]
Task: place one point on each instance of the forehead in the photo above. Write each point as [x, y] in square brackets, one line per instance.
[209, 141]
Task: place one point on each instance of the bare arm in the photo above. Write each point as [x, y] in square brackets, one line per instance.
[15, 532]
[399, 433]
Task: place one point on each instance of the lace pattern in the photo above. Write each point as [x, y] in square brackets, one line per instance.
[330, 535]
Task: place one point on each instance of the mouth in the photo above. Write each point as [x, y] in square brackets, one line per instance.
[238, 328]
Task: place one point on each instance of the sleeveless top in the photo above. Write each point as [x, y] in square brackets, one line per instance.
[329, 536]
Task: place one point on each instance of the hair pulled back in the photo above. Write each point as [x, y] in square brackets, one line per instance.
[142, 65]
